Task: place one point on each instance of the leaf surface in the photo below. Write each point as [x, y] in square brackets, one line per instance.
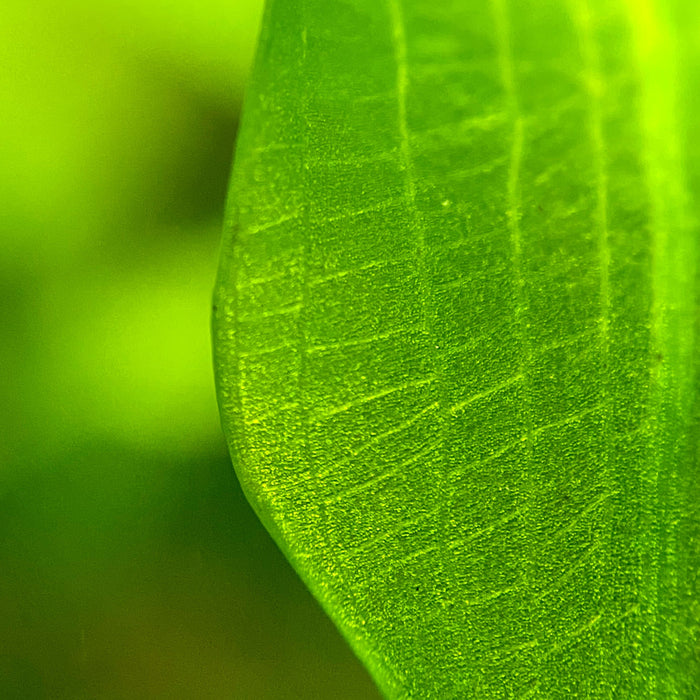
[455, 336]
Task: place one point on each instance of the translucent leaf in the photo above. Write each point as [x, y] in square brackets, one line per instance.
[455, 328]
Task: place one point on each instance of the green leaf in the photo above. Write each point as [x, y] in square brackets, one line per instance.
[455, 336]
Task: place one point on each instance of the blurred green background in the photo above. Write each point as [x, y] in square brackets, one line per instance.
[130, 564]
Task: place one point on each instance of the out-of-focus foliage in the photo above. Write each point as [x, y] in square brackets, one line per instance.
[131, 565]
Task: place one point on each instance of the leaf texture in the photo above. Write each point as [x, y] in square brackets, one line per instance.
[455, 336]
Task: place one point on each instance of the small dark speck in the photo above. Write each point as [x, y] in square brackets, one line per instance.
[214, 307]
[417, 588]
[540, 208]
[659, 357]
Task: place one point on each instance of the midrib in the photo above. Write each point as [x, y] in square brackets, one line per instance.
[670, 362]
